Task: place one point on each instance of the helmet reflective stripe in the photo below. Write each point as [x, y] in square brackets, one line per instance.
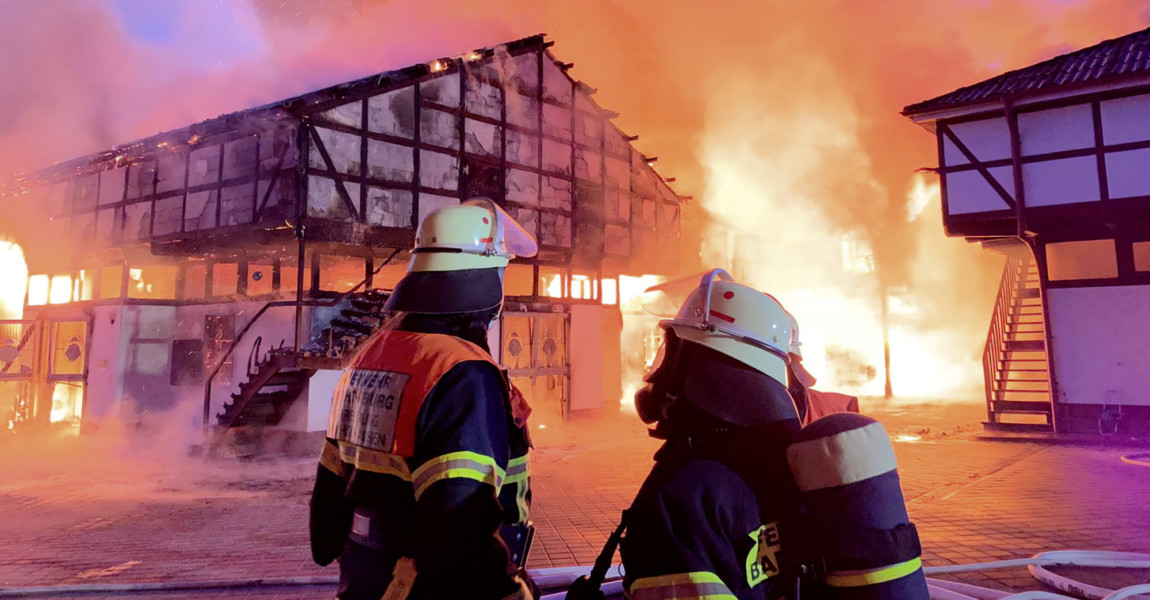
[738, 321]
[477, 234]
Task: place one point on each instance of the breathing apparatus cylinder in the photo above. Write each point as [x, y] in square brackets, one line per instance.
[854, 512]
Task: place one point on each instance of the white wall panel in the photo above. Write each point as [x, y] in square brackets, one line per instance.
[1128, 173]
[988, 139]
[1101, 344]
[320, 388]
[105, 385]
[1064, 181]
[1126, 120]
[1057, 129]
[970, 192]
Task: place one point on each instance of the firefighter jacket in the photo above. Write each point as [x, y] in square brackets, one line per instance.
[697, 531]
[423, 463]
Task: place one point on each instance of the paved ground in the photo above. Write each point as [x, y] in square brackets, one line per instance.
[106, 510]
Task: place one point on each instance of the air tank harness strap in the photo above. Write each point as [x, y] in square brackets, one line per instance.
[872, 556]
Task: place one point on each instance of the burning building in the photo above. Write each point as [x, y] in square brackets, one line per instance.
[233, 266]
[1049, 165]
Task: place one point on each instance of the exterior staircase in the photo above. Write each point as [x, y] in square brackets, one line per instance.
[1018, 395]
[276, 379]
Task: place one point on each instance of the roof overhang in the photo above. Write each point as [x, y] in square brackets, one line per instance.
[928, 117]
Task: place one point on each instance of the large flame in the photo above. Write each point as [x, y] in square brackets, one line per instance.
[804, 163]
[773, 177]
[640, 336]
[13, 280]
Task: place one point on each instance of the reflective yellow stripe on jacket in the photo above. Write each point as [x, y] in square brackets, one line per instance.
[334, 458]
[329, 458]
[519, 475]
[841, 579]
[375, 461]
[700, 585]
[464, 465]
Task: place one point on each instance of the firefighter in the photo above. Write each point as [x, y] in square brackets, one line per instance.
[713, 519]
[812, 404]
[422, 488]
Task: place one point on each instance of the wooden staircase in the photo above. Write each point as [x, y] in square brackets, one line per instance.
[276, 379]
[1018, 395]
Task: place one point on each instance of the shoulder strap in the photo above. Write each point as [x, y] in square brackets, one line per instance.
[588, 586]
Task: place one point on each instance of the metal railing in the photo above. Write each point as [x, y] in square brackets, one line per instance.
[275, 303]
[1004, 309]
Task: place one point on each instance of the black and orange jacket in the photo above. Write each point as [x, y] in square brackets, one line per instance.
[422, 439]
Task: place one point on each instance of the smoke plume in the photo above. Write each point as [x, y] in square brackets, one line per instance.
[780, 118]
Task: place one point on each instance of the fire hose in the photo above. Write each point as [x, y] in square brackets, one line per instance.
[561, 577]
[1140, 459]
[950, 590]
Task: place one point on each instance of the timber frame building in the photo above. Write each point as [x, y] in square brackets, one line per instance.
[234, 265]
[1050, 166]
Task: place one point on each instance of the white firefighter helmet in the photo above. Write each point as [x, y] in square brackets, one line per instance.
[795, 347]
[738, 321]
[477, 234]
[458, 260]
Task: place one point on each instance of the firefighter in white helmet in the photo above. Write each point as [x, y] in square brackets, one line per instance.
[812, 404]
[713, 517]
[422, 488]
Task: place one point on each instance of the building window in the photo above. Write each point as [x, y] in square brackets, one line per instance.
[341, 273]
[289, 274]
[858, 255]
[610, 290]
[1142, 256]
[61, 292]
[552, 282]
[225, 279]
[38, 290]
[584, 287]
[110, 281]
[187, 362]
[82, 286]
[519, 280]
[219, 334]
[1091, 259]
[260, 278]
[152, 282]
[195, 282]
[390, 274]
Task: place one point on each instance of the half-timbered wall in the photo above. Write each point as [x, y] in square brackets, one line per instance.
[514, 128]
[232, 179]
[1069, 152]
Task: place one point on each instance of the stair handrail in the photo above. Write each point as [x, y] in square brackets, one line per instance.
[274, 303]
[254, 355]
[996, 335]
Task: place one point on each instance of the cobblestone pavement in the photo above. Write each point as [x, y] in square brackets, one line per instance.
[95, 511]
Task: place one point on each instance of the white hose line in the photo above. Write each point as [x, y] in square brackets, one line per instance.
[1013, 563]
[1077, 558]
[1128, 591]
[1140, 459]
[1083, 558]
[938, 593]
[967, 590]
[609, 588]
[565, 576]
[1039, 595]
